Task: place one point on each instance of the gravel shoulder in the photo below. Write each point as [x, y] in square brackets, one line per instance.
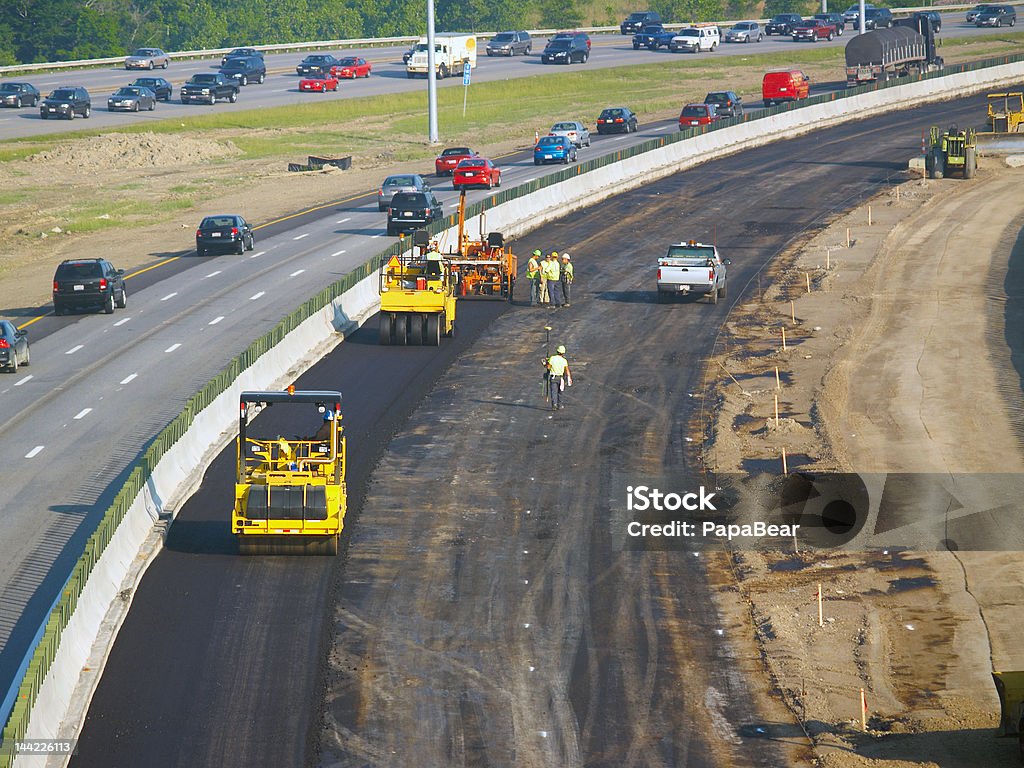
[897, 360]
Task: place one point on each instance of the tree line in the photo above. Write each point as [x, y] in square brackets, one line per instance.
[62, 30]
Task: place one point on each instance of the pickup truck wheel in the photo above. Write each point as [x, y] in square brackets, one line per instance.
[713, 297]
[233, 97]
[830, 37]
[724, 290]
[213, 98]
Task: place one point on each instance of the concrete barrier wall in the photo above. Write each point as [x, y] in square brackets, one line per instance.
[56, 711]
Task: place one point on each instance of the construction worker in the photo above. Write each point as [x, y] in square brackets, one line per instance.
[434, 269]
[545, 296]
[559, 377]
[567, 276]
[553, 272]
[533, 275]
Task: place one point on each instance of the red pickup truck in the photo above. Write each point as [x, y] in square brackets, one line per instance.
[813, 30]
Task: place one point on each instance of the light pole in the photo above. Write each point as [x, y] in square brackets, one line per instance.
[432, 75]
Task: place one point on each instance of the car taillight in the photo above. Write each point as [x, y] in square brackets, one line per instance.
[234, 231]
[426, 211]
[4, 344]
[659, 273]
[618, 119]
[103, 283]
[711, 275]
[56, 285]
[199, 232]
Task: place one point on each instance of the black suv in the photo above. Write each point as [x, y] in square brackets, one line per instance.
[88, 284]
[413, 210]
[66, 102]
[877, 18]
[637, 21]
[245, 69]
[782, 24]
[566, 50]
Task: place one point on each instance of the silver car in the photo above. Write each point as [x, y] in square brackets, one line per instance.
[131, 99]
[147, 58]
[576, 132]
[744, 32]
[400, 182]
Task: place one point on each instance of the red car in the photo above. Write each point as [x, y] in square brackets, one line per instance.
[476, 172]
[451, 157]
[697, 114]
[350, 68]
[320, 83]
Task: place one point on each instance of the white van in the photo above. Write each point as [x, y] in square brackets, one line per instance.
[696, 39]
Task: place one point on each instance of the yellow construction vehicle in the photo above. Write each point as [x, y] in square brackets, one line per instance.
[950, 151]
[1006, 112]
[1010, 686]
[485, 266]
[290, 495]
[417, 296]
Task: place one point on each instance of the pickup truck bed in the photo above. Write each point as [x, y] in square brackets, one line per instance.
[692, 268]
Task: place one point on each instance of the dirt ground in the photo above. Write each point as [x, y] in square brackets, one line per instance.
[895, 361]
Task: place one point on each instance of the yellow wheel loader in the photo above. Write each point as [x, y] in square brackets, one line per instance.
[290, 495]
[417, 296]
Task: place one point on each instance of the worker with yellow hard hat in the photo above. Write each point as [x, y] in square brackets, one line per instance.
[553, 274]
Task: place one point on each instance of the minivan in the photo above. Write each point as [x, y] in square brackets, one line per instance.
[784, 85]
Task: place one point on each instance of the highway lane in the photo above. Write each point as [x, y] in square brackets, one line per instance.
[112, 382]
[625, 656]
[281, 87]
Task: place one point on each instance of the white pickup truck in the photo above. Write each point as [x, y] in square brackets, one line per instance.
[692, 267]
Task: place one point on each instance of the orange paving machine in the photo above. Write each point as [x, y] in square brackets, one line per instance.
[485, 266]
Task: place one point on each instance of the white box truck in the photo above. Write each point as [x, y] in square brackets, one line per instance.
[451, 51]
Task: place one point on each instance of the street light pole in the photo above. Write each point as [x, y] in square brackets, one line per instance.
[431, 75]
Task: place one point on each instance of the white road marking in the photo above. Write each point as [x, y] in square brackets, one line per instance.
[342, 221]
[129, 379]
[296, 273]
[22, 381]
[213, 274]
[83, 413]
[169, 296]
[121, 322]
[257, 296]
[299, 237]
[374, 237]
[172, 347]
[216, 320]
[254, 255]
[338, 253]
[73, 349]
[34, 452]
[664, 128]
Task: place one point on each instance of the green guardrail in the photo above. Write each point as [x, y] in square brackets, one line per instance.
[46, 650]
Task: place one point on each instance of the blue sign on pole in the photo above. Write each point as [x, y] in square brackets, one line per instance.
[466, 70]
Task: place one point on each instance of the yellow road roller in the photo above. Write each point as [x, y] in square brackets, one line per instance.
[290, 495]
[417, 297]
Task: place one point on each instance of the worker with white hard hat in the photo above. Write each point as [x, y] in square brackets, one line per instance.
[566, 278]
[559, 377]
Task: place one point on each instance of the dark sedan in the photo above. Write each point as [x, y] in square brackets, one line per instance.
[617, 120]
[131, 99]
[227, 232]
[160, 87]
[19, 95]
[316, 64]
[240, 52]
[13, 347]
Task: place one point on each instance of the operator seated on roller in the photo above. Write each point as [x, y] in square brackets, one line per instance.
[434, 271]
